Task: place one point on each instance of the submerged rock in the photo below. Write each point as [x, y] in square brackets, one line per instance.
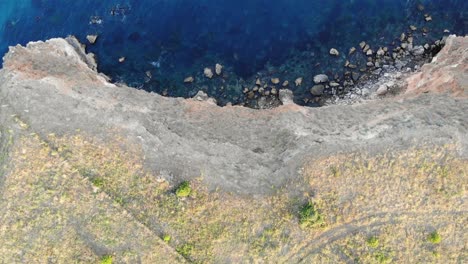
[317, 89]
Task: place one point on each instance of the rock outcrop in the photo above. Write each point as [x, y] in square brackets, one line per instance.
[55, 88]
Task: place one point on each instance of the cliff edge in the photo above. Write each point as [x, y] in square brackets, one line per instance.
[60, 117]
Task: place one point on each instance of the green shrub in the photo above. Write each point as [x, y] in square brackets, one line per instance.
[435, 238]
[380, 257]
[166, 238]
[106, 260]
[184, 250]
[373, 242]
[309, 216]
[184, 189]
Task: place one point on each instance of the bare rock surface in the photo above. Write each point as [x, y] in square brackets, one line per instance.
[55, 88]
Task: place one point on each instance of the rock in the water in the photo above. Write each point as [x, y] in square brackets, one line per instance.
[92, 38]
[189, 79]
[218, 69]
[208, 73]
[352, 50]
[334, 52]
[355, 76]
[380, 52]
[317, 89]
[320, 78]
[334, 84]
[258, 82]
[285, 83]
[298, 81]
[418, 50]
[413, 28]
[275, 80]
[121, 59]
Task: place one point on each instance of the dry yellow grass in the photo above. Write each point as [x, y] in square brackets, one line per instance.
[77, 198]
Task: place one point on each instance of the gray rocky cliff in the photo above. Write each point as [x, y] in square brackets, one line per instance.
[54, 87]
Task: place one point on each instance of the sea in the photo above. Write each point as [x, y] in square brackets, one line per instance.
[166, 46]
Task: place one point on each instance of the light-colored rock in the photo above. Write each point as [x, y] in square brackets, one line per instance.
[285, 83]
[352, 50]
[369, 52]
[413, 28]
[320, 78]
[218, 69]
[298, 81]
[380, 52]
[382, 90]
[189, 79]
[122, 59]
[275, 80]
[208, 73]
[334, 52]
[334, 84]
[92, 38]
[258, 82]
[286, 96]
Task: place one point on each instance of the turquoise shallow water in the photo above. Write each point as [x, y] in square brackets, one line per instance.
[165, 41]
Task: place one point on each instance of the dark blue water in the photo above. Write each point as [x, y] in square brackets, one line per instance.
[173, 39]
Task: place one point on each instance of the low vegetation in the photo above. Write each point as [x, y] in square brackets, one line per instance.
[94, 191]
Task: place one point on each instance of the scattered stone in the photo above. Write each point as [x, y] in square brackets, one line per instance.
[380, 52]
[365, 92]
[285, 83]
[258, 82]
[274, 91]
[366, 48]
[418, 51]
[208, 73]
[404, 45]
[352, 66]
[410, 39]
[428, 18]
[334, 52]
[275, 80]
[334, 84]
[218, 69]
[148, 74]
[427, 46]
[413, 28]
[355, 76]
[286, 96]
[298, 81]
[369, 52]
[352, 50]
[382, 90]
[251, 95]
[346, 63]
[92, 38]
[121, 59]
[362, 44]
[402, 37]
[446, 31]
[320, 78]
[189, 79]
[370, 64]
[317, 90]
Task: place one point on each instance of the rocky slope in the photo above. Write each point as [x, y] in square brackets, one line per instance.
[51, 93]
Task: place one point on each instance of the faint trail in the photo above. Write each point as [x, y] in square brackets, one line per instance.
[341, 231]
